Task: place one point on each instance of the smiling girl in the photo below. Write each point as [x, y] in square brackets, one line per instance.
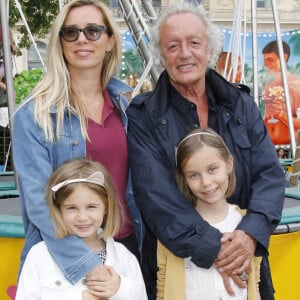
[205, 175]
[83, 202]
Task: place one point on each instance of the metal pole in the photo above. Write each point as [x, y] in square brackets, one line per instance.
[137, 32]
[18, 5]
[254, 50]
[284, 78]
[8, 66]
[7, 60]
[60, 5]
[149, 9]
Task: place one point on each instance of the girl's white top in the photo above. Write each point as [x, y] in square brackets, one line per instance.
[204, 284]
[41, 279]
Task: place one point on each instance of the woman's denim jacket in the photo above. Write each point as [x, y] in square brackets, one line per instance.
[35, 159]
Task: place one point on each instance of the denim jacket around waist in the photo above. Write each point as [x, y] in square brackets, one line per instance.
[35, 159]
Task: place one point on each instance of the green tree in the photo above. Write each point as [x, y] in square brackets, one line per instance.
[39, 15]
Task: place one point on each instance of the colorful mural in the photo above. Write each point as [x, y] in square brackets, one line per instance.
[271, 92]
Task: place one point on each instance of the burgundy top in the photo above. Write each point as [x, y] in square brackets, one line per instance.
[108, 145]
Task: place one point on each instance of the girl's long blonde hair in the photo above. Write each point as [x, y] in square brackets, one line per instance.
[55, 91]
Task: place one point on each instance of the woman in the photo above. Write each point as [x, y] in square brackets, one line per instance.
[77, 110]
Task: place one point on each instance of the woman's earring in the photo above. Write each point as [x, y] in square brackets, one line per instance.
[99, 231]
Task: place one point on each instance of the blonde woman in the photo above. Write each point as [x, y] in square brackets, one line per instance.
[77, 110]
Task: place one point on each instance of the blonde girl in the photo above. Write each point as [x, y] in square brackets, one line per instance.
[82, 202]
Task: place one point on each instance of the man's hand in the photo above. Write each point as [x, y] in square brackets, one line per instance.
[234, 258]
[237, 251]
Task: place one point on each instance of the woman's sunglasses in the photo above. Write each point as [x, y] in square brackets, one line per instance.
[91, 32]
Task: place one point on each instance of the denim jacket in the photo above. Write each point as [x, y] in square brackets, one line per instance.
[35, 159]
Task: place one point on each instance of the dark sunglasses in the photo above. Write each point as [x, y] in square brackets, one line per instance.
[91, 32]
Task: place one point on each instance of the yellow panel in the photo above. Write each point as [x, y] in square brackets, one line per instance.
[285, 265]
[9, 264]
[284, 261]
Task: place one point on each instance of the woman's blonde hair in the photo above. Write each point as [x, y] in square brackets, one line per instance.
[81, 169]
[55, 88]
[189, 145]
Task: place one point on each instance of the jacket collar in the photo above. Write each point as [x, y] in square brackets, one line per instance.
[219, 91]
[115, 87]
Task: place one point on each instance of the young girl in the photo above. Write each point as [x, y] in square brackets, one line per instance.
[82, 202]
[205, 175]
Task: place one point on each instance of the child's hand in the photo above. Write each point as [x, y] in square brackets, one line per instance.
[86, 295]
[99, 273]
[103, 286]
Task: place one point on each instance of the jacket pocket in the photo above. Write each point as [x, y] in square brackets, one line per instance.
[59, 288]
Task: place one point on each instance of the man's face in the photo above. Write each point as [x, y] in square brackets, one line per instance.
[184, 48]
[272, 62]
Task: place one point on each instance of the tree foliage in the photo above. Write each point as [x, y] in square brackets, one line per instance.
[39, 15]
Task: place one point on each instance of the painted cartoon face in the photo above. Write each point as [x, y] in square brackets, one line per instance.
[271, 62]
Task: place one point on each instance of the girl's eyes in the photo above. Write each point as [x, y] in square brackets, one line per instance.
[212, 169]
[92, 206]
[193, 176]
[71, 208]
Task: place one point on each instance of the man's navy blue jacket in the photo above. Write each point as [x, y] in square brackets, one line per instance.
[157, 122]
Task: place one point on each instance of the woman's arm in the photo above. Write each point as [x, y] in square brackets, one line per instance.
[34, 160]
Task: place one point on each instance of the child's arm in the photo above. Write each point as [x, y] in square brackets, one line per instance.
[257, 262]
[161, 272]
[254, 279]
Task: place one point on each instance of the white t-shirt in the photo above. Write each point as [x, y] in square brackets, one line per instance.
[204, 284]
